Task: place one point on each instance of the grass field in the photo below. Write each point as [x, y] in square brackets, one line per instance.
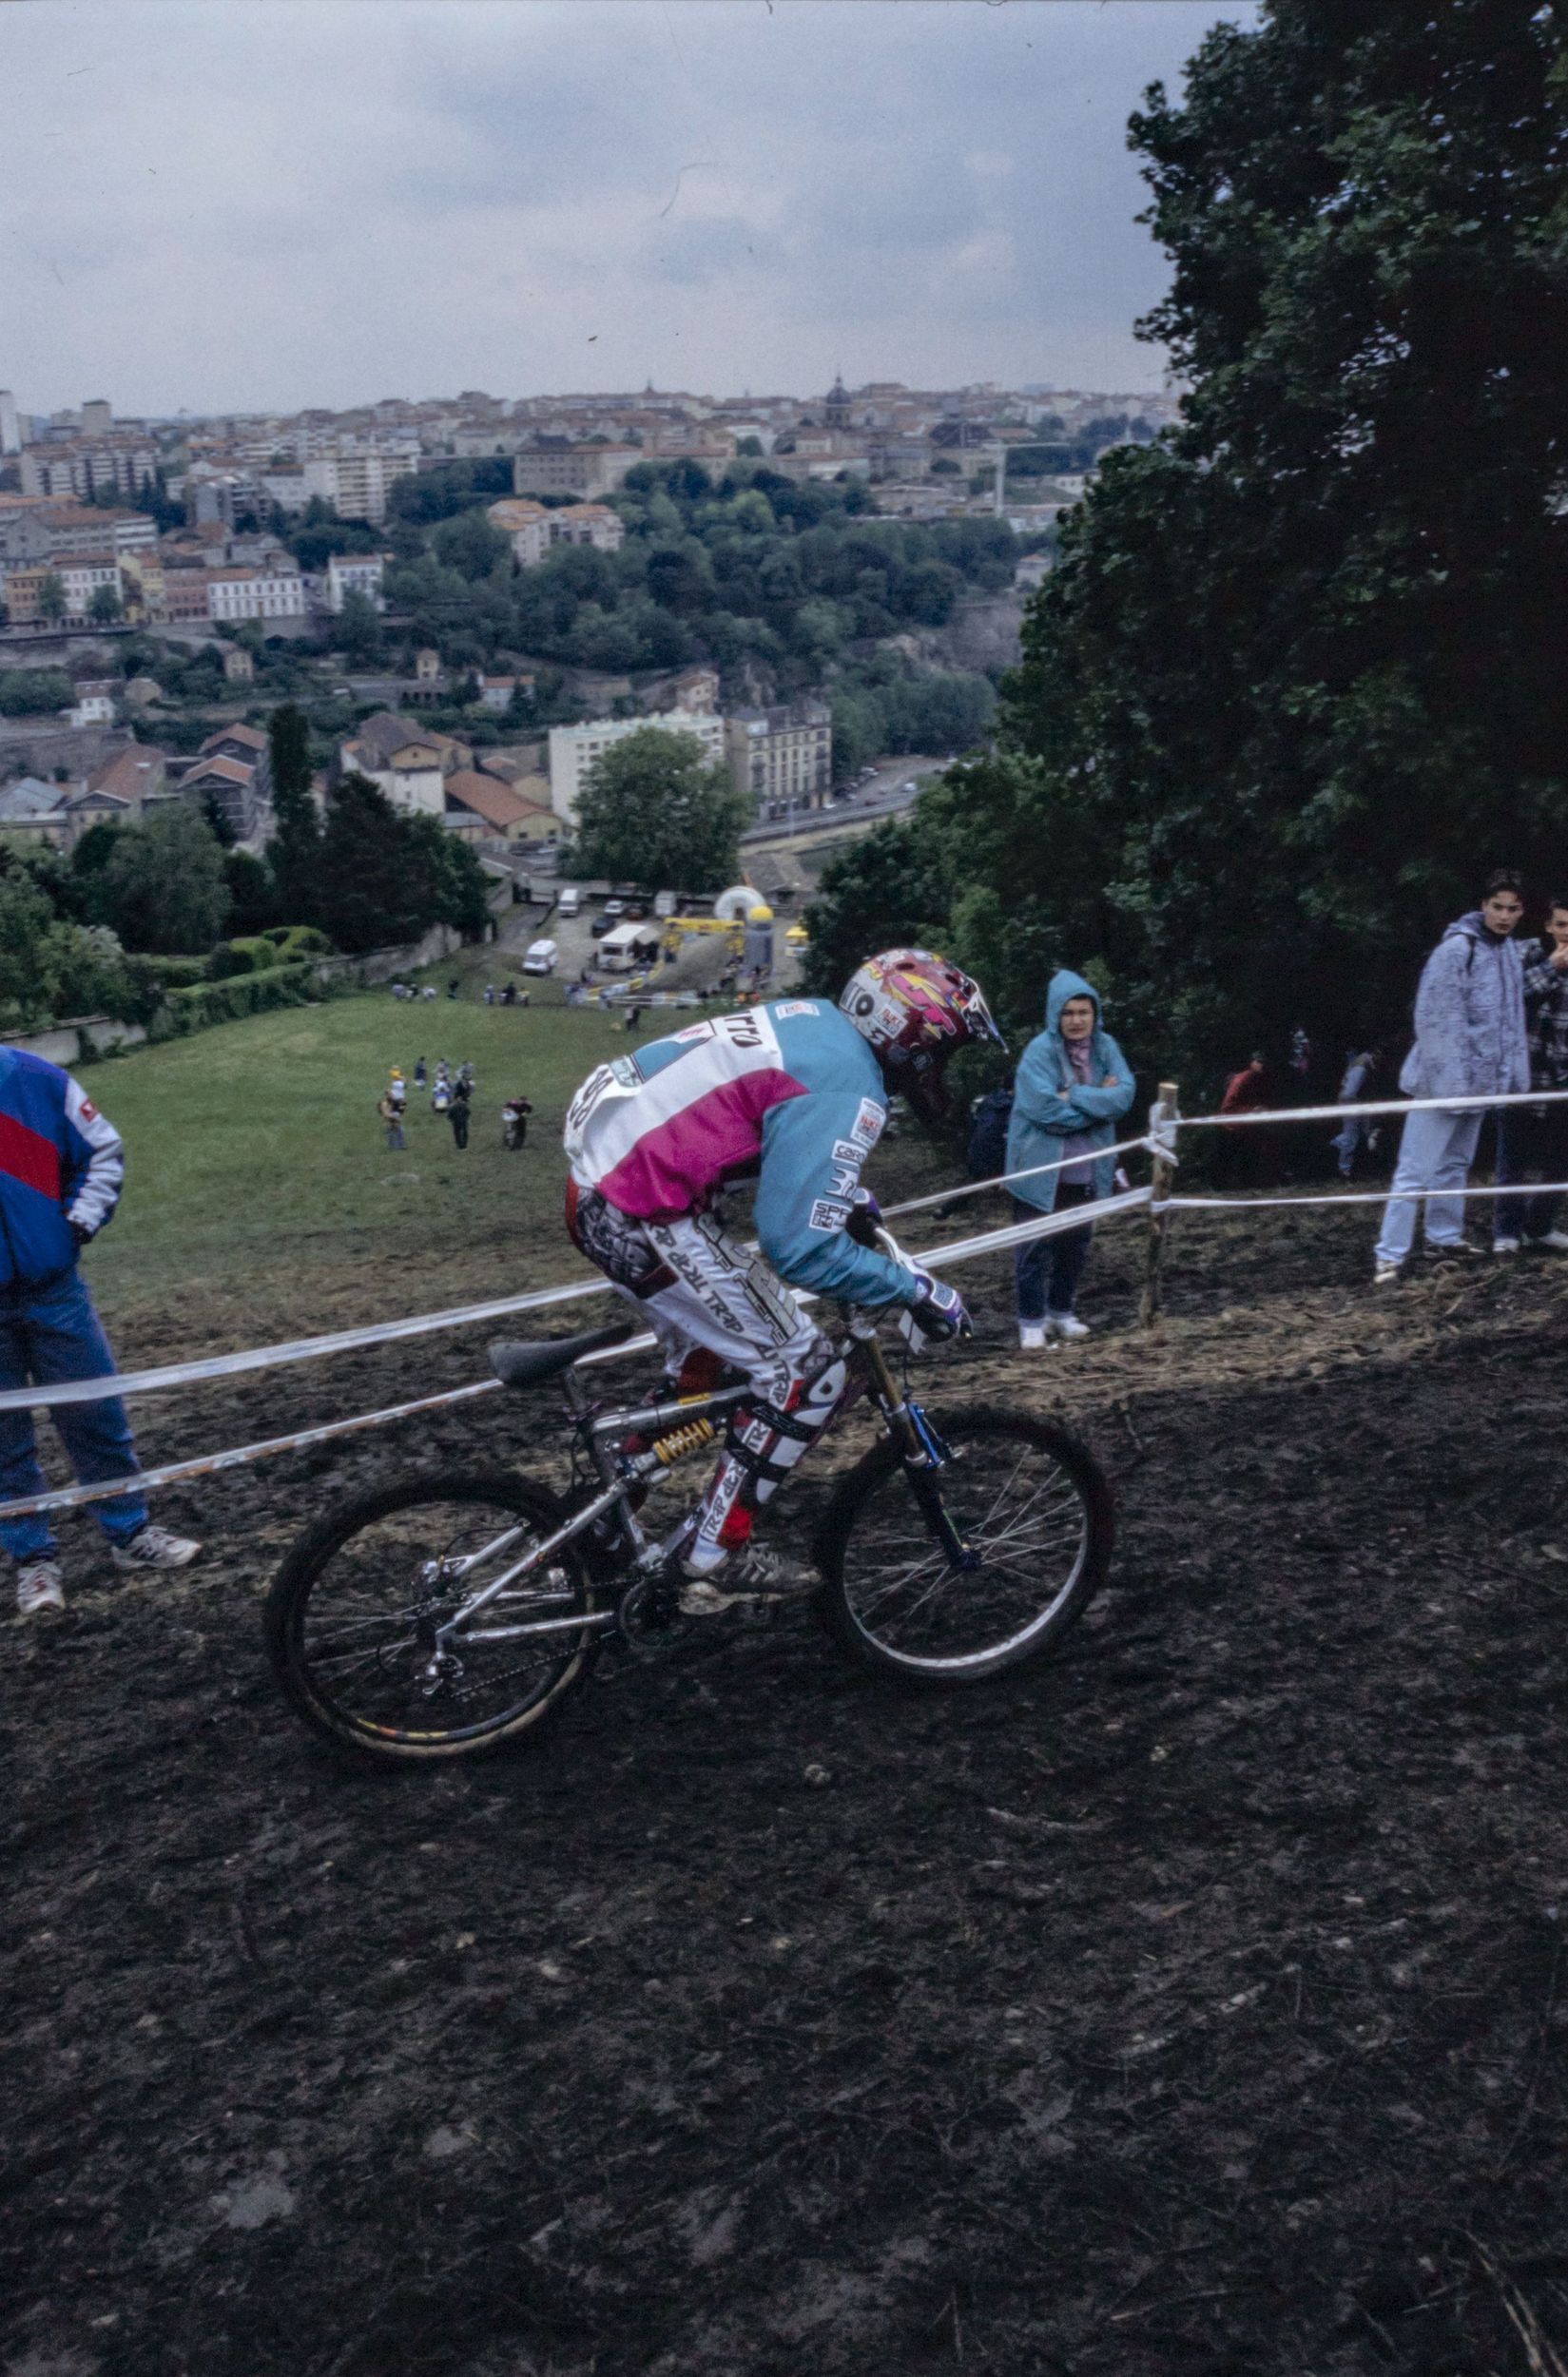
[262, 1200]
[257, 1172]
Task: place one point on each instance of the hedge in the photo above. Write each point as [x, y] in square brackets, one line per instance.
[208, 1004]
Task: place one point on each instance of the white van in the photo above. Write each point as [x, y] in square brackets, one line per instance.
[541, 958]
[571, 902]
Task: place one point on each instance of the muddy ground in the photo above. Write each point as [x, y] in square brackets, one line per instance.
[1195, 2001]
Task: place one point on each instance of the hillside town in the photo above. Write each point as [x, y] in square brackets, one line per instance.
[163, 582]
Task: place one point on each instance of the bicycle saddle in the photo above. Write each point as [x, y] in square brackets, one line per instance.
[521, 1361]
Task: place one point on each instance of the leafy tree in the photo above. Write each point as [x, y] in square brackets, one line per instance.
[52, 595]
[470, 545]
[254, 905]
[885, 889]
[26, 691]
[106, 606]
[164, 887]
[296, 845]
[358, 632]
[653, 811]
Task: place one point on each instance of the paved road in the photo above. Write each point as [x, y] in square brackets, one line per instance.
[881, 795]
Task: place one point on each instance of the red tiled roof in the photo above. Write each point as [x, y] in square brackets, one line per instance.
[491, 799]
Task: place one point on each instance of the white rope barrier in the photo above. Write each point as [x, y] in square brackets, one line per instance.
[297, 1349]
[1005, 1180]
[211, 1465]
[1243, 1204]
[1370, 1106]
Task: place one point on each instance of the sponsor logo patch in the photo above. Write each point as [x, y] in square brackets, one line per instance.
[628, 1073]
[89, 1112]
[867, 1127]
[829, 1214]
[797, 1007]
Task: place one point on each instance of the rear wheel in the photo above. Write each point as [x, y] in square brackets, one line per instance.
[1034, 1514]
[353, 1616]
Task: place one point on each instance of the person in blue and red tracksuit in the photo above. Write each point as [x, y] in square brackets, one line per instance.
[61, 1169]
[793, 1094]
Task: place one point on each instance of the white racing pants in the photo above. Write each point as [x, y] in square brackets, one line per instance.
[699, 1286]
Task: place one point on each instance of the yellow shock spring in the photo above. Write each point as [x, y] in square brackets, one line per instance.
[680, 1441]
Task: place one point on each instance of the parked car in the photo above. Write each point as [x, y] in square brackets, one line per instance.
[615, 908]
[571, 902]
[541, 958]
[603, 923]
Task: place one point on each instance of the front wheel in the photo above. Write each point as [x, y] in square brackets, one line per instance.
[1026, 1546]
[355, 1618]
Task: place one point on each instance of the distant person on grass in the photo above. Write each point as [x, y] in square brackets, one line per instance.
[1533, 1140]
[1470, 1042]
[61, 1169]
[457, 1113]
[1073, 1087]
[392, 1115]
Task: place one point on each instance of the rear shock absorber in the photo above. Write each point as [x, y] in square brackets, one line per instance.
[690, 1439]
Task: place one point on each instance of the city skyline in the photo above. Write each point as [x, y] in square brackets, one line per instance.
[530, 199]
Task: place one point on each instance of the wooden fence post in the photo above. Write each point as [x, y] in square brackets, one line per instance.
[1161, 1115]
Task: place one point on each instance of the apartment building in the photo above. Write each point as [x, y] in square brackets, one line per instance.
[534, 529]
[81, 468]
[781, 758]
[355, 573]
[574, 750]
[553, 466]
[83, 575]
[267, 593]
[356, 481]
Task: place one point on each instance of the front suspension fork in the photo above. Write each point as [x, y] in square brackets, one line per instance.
[925, 1453]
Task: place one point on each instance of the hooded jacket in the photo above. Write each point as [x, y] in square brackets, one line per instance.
[1050, 1105]
[60, 1163]
[1470, 1038]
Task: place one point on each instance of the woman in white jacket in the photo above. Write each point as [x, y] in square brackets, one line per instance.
[1470, 1042]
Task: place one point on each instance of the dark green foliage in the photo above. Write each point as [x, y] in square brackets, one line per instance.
[164, 887]
[450, 488]
[883, 705]
[382, 877]
[319, 534]
[754, 567]
[358, 631]
[469, 544]
[885, 891]
[25, 691]
[654, 812]
[296, 845]
[217, 824]
[253, 893]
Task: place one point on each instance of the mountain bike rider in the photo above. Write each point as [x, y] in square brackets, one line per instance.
[794, 1092]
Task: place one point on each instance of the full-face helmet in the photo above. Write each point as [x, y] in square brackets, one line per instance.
[916, 1010]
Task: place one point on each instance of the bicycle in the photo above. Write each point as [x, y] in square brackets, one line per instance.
[451, 1616]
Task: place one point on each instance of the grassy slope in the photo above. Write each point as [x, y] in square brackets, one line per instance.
[262, 1201]
[258, 1175]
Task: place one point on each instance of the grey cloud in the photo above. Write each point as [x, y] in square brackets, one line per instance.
[474, 192]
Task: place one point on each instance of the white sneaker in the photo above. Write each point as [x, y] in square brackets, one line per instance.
[1556, 1239]
[1387, 1274]
[154, 1547]
[1506, 1246]
[751, 1575]
[40, 1586]
[1067, 1325]
[1032, 1336]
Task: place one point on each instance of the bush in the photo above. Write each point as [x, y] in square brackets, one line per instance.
[206, 1003]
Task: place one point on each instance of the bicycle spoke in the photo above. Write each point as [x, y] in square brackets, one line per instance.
[1017, 1509]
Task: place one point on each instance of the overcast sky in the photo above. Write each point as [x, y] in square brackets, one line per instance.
[226, 205]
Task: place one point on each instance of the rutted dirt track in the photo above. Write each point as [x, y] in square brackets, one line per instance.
[1194, 2002]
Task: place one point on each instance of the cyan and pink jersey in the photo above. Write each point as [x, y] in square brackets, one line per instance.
[789, 1091]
